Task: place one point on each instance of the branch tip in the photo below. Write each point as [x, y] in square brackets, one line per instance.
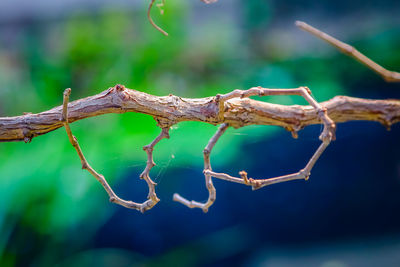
[387, 75]
[158, 28]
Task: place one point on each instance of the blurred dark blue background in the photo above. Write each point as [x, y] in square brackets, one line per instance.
[53, 213]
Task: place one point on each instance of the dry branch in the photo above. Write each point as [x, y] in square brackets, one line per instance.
[389, 76]
[152, 197]
[237, 112]
[234, 109]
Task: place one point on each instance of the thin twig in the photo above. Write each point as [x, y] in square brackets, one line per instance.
[152, 197]
[207, 167]
[328, 134]
[389, 76]
[151, 20]
[162, 12]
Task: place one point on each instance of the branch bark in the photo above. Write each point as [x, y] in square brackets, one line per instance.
[237, 112]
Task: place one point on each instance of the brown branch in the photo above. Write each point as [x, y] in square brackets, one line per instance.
[237, 112]
[212, 194]
[389, 76]
[151, 20]
[327, 135]
[233, 109]
[152, 197]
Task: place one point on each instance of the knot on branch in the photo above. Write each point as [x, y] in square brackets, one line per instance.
[119, 87]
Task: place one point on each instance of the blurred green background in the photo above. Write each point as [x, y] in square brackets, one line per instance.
[53, 213]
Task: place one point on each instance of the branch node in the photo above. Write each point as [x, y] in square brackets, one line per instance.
[295, 134]
[305, 174]
[84, 166]
[119, 87]
[27, 135]
[243, 174]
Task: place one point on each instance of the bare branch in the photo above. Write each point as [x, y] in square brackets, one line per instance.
[207, 168]
[152, 197]
[233, 109]
[389, 76]
[327, 135]
[151, 20]
[237, 112]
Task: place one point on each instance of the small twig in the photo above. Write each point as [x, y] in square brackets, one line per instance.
[207, 169]
[389, 76]
[158, 28]
[152, 197]
[151, 20]
[326, 137]
[259, 183]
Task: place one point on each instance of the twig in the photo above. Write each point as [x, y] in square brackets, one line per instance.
[389, 76]
[207, 168]
[328, 134]
[152, 197]
[259, 183]
[151, 20]
[162, 12]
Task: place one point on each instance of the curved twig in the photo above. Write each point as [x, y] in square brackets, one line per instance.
[162, 12]
[212, 194]
[152, 196]
[327, 135]
[151, 20]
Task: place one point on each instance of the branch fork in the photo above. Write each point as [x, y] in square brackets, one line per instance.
[327, 135]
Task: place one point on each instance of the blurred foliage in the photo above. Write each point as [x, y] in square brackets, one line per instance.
[42, 187]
